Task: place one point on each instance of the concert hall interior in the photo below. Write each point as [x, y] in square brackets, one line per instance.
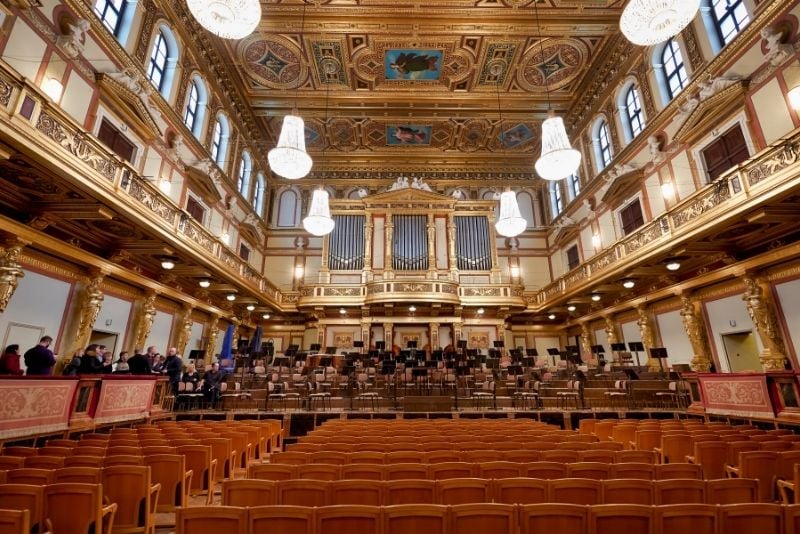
[406, 265]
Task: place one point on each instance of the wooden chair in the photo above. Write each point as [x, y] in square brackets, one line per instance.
[519, 490]
[30, 475]
[756, 518]
[760, 465]
[403, 457]
[633, 470]
[15, 521]
[406, 471]
[200, 463]
[52, 450]
[25, 497]
[680, 491]
[616, 518]
[77, 508]
[44, 462]
[440, 456]
[84, 461]
[607, 457]
[628, 491]
[593, 470]
[367, 458]
[272, 471]
[499, 469]
[123, 460]
[441, 471]
[670, 471]
[674, 448]
[11, 462]
[732, 491]
[711, 456]
[294, 458]
[484, 518]
[249, 493]
[302, 492]
[546, 470]
[635, 456]
[789, 487]
[114, 450]
[792, 519]
[365, 492]
[281, 519]
[646, 440]
[136, 497]
[689, 518]
[169, 470]
[462, 491]
[575, 491]
[210, 519]
[348, 519]
[410, 518]
[560, 456]
[362, 472]
[553, 517]
[523, 457]
[222, 452]
[410, 491]
[22, 452]
[79, 475]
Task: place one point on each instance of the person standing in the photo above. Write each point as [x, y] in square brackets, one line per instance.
[122, 367]
[173, 367]
[91, 361]
[139, 364]
[39, 360]
[9, 361]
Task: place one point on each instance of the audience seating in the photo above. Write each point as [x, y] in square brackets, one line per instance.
[78, 508]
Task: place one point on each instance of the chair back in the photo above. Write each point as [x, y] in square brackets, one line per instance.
[169, 470]
[74, 507]
[129, 486]
[24, 497]
[249, 493]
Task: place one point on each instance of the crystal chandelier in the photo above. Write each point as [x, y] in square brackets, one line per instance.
[319, 221]
[648, 22]
[510, 223]
[559, 159]
[229, 19]
[290, 159]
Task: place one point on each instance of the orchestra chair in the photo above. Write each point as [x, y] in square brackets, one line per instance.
[560, 456]
[553, 517]
[249, 493]
[272, 471]
[412, 518]
[15, 521]
[354, 491]
[200, 463]
[405, 471]
[318, 471]
[688, 518]
[602, 456]
[759, 465]
[546, 470]
[673, 448]
[30, 475]
[84, 461]
[79, 475]
[678, 470]
[44, 462]
[462, 491]
[123, 460]
[594, 470]
[211, 520]
[616, 518]
[519, 490]
[77, 508]
[483, 518]
[25, 497]
[410, 491]
[732, 491]
[575, 491]
[792, 519]
[169, 470]
[304, 492]
[633, 470]
[348, 519]
[281, 519]
[136, 497]
[11, 462]
[628, 491]
[499, 469]
[752, 518]
[711, 457]
[679, 491]
[635, 456]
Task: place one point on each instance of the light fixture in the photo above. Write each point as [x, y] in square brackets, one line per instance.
[596, 297]
[571, 308]
[552, 316]
[342, 311]
[319, 221]
[250, 307]
[794, 97]
[204, 283]
[667, 190]
[596, 241]
[480, 311]
[231, 297]
[515, 272]
[229, 19]
[628, 283]
[510, 223]
[648, 22]
[266, 316]
[558, 159]
[673, 265]
[226, 238]
[167, 263]
[53, 89]
[412, 309]
[289, 159]
[165, 186]
[299, 271]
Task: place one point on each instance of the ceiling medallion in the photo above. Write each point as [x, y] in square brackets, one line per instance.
[648, 22]
[229, 19]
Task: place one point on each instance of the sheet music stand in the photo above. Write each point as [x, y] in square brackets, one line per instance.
[411, 344]
[553, 351]
[617, 348]
[660, 354]
[358, 345]
[330, 350]
[380, 345]
[315, 347]
[533, 353]
[636, 347]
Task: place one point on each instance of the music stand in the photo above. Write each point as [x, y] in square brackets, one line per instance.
[330, 350]
[315, 347]
[552, 351]
[411, 344]
[358, 345]
[380, 345]
[660, 354]
[617, 347]
[533, 353]
[636, 347]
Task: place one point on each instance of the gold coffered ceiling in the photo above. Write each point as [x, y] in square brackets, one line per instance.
[415, 85]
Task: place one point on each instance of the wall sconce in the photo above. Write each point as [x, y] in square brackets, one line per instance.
[412, 309]
[668, 190]
[225, 238]
[299, 271]
[515, 271]
[596, 241]
[794, 97]
[53, 89]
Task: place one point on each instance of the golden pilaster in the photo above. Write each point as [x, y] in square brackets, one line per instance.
[648, 335]
[457, 333]
[695, 327]
[495, 271]
[89, 304]
[324, 270]
[211, 338]
[611, 329]
[10, 271]
[387, 262]
[451, 247]
[368, 231]
[762, 312]
[387, 335]
[144, 320]
[365, 334]
[586, 341]
[185, 331]
[431, 247]
[434, 335]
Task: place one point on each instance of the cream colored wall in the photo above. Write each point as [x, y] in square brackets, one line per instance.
[24, 51]
[280, 271]
[727, 315]
[772, 111]
[160, 332]
[114, 317]
[674, 338]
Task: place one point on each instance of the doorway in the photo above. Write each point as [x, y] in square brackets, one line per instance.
[109, 339]
[742, 351]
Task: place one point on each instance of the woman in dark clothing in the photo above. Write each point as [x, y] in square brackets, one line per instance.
[191, 376]
[9, 361]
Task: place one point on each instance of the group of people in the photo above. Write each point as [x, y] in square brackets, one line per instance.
[39, 359]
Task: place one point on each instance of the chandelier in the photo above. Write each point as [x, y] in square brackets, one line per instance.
[559, 159]
[510, 223]
[229, 19]
[648, 22]
[319, 221]
[289, 159]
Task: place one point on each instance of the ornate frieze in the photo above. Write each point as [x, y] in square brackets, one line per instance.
[77, 144]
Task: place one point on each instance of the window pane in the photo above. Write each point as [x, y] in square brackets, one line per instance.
[158, 61]
[109, 12]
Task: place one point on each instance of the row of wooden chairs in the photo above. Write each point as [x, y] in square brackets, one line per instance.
[500, 469]
[493, 519]
[250, 492]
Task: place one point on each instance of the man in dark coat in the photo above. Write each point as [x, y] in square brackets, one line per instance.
[212, 381]
[91, 361]
[173, 367]
[39, 360]
[139, 364]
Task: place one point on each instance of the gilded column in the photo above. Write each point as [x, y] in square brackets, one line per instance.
[324, 270]
[586, 341]
[451, 247]
[457, 333]
[495, 276]
[368, 230]
[89, 304]
[365, 334]
[434, 335]
[10, 271]
[762, 312]
[144, 320]
[211, 338]
[387, 335]
[695, 328]
[648, 335]
[431, 247]
[611, 329]
[185, 331]
[387, 262]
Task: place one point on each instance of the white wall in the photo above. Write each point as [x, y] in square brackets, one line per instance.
[114, 318]
[789, 303]
[542, 343]
[601, 338]
[631, 332]
[195, 338]
[725, 316]
[159, 334]
[24, 50]
[36, 309]
[674, 338]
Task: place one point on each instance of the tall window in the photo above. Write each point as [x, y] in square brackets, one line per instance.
[261, 189]
[631, 217]
[110, 13]
[674, 68]
[192, 105]
[556, 199]
[604, 144]
[574, 182]
[157, 65]
[730, 16]
[216, 141]
[243, 179]
[219, 140]
[633, 111]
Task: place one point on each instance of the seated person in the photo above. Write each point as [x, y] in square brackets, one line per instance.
[212, 382]
[191, 376]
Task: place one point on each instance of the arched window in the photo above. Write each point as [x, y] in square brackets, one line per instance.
[287, 209]
[219, 140]
[525, 202]
[261, 190]
[601, 139]
[633, 111]
[675, 76]
[556, 200]
[574, 185]
[730, 17]
[192, 104]
[110, 13]
[243, 178]
[163, 58]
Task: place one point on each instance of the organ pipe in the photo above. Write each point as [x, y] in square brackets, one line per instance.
[473, 243]
[410, 242]
[346, 245]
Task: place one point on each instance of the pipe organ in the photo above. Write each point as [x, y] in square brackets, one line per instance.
[473, 243]
[410, 243]
[346, 245]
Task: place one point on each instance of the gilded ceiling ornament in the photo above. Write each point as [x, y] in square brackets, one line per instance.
[560, 63]
[274, 61]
